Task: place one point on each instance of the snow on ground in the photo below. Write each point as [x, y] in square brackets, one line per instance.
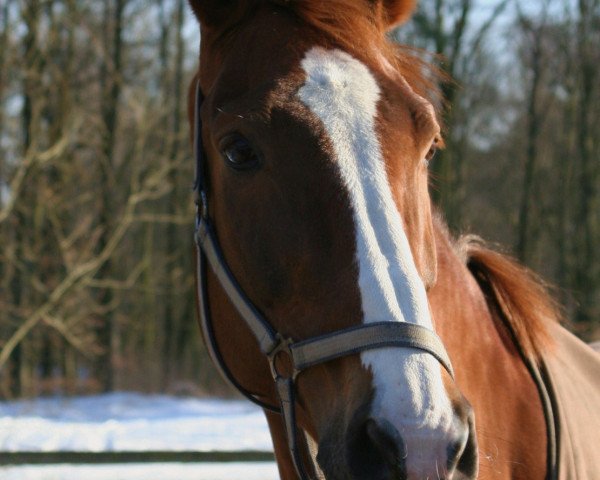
[129, 421]
[230, 471]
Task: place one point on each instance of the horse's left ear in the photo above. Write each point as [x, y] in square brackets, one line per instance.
[395, 12]
[212, 12]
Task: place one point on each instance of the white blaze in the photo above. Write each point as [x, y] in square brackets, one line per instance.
[343, 94]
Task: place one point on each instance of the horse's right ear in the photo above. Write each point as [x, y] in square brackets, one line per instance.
[212, 12]
[396, 12]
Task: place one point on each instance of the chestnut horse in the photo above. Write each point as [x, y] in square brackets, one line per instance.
[326, 281]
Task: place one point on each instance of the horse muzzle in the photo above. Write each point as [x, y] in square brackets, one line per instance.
[371, 448]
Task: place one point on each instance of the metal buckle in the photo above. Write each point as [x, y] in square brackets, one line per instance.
[282, 347]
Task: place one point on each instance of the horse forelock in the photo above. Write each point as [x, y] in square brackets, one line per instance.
[353, 25]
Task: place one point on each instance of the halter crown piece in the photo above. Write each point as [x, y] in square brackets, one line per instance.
[302, 354]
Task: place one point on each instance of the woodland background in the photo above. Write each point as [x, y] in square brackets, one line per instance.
[96, 263]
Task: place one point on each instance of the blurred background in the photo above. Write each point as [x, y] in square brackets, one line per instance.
[96, 213]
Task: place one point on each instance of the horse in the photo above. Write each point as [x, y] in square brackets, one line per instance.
[330, 290]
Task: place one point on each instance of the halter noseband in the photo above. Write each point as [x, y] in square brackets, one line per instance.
[302, 354]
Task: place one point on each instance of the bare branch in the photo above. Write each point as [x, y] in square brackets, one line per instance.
[32, 158]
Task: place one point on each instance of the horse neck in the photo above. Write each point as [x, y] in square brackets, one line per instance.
[489, 371]
[461, 313]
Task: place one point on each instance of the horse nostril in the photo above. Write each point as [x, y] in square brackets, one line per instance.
[463, 455]
[375, 450]
[386, 440]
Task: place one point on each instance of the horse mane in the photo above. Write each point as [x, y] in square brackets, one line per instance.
[519, 297]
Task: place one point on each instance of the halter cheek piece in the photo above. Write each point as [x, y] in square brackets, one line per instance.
[302, 354]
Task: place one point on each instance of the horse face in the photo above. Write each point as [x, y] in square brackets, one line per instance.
[318, 192]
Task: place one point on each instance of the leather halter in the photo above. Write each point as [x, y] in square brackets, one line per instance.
[302, 354]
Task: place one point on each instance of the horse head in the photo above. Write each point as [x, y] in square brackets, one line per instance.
[317, 134]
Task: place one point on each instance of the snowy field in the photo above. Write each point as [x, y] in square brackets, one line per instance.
[171, 471]
[134, 422]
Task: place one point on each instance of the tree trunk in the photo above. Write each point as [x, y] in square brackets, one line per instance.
[172, 318]
[112, 80]
[565, 166]
[4, 26]
[586, 282]
[533, 130]
[31, 20]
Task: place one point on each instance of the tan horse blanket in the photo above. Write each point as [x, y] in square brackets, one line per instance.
[573, 369]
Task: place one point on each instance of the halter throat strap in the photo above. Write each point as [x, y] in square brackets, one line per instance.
[302, 354]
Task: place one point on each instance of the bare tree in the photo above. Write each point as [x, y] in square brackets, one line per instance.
[111, 85]
[586, 281]
[535, 59]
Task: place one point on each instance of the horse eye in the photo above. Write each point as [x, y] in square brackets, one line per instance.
[432, 151]
[238, 153]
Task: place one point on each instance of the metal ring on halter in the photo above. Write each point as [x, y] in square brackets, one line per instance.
[283, 347]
